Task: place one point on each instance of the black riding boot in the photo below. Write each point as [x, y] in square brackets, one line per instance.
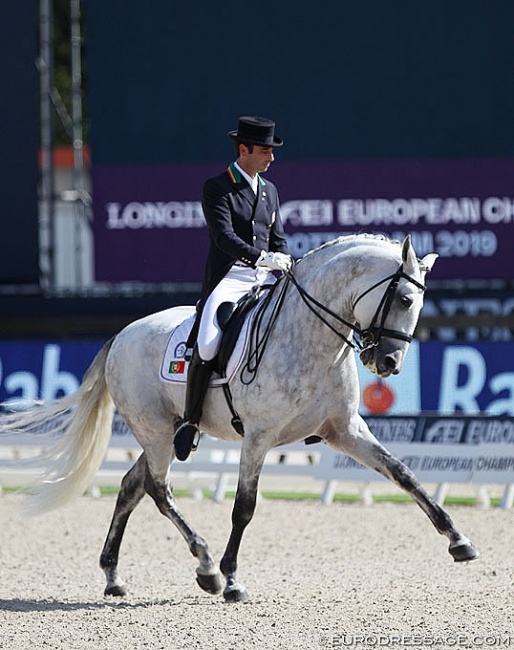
[197, 382]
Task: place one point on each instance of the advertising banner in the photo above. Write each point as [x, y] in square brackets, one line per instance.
[444, 378]
[434, 463]
[437, 378]
[149, 226]
[46, 370]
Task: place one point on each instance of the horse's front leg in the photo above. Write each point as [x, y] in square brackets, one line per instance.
[250, 467]
[359, 443]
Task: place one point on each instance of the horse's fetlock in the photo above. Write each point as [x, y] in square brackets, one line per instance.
[228, 568]
[107, 562]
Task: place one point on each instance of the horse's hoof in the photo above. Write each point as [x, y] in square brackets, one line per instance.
[464, 552]
[236, 595]
[115, 590]
[212, 584]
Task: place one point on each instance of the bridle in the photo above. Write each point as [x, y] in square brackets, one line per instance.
[371, 335]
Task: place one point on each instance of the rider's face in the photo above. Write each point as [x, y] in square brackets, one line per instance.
[256, 161]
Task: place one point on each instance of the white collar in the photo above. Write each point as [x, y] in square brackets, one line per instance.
[253, 182]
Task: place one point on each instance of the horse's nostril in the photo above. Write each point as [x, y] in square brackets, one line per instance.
[390, 362]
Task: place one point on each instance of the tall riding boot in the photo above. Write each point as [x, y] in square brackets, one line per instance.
[197, 382]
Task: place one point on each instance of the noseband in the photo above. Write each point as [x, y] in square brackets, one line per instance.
[371, 335]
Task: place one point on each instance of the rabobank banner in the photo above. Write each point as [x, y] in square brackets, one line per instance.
[445, 378]
[149, 226]
[437, 378]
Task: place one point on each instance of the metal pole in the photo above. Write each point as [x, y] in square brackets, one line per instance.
[47, 143]
[78, 144]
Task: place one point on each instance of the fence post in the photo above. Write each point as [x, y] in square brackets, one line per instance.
[508, 497]
[440, 493]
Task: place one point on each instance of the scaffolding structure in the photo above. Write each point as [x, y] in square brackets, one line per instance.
[65, 206]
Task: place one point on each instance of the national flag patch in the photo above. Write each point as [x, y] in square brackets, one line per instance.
[177, 367]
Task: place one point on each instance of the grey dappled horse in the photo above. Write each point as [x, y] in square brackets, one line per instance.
[301, 380]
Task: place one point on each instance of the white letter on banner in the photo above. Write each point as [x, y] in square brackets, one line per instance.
[113, 216]
[54, 382]
[22, 381]
[453, 396]
[499, 383]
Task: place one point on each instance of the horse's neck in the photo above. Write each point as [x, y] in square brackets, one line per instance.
[333, 277]
[305, 327]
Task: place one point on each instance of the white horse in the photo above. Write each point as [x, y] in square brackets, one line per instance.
[304, 383]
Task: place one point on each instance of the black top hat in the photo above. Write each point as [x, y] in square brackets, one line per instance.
[257, 130]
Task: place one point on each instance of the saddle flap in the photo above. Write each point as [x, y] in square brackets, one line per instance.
[233, 317]
[175, 364]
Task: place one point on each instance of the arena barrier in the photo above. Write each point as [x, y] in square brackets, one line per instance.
[468, 450]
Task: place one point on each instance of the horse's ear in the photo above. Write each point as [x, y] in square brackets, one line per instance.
[408, 254]
[428, 262]
[409, 257]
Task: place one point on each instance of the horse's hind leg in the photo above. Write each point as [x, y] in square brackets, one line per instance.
[207, 574]
[250, 467]
[364, 447]
[131, 492]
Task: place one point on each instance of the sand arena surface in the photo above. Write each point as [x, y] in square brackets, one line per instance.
[319, 577]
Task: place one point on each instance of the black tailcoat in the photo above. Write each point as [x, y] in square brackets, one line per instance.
[241, 224]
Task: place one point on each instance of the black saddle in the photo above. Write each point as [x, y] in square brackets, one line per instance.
[231, 316]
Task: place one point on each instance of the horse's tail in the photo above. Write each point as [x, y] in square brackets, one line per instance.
[83, 422]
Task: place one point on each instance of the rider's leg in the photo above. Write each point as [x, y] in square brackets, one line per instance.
[198, 376]
[237, 282]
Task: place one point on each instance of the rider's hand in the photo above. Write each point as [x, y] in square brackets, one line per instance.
[275, 261]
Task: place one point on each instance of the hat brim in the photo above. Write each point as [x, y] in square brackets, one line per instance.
[277, 142]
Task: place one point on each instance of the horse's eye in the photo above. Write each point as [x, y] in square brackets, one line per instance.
[405, 301]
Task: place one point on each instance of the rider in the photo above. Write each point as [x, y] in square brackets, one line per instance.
[247, 242]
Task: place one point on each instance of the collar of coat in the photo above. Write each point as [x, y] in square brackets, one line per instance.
[236, 176]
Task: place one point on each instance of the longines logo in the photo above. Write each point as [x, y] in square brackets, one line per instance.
[149, 215]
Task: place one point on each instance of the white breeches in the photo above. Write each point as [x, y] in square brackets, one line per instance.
[238, 282]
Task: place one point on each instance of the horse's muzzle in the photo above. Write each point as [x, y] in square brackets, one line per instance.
[384, 365]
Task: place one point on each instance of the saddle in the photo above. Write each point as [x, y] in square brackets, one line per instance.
[231, 317]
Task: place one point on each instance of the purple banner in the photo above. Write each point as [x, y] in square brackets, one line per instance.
[149, 225]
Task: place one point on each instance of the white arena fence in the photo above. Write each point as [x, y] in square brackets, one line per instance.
[477, 451]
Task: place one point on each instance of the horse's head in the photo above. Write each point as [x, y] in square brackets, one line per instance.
[388, 311]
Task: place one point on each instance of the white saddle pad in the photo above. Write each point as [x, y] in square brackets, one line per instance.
[174, 366]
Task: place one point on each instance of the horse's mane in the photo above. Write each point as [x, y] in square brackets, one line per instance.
[350, 240]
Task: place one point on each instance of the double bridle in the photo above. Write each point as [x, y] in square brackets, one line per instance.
[369, 337]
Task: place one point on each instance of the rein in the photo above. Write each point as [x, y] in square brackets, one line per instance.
[369, 337]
